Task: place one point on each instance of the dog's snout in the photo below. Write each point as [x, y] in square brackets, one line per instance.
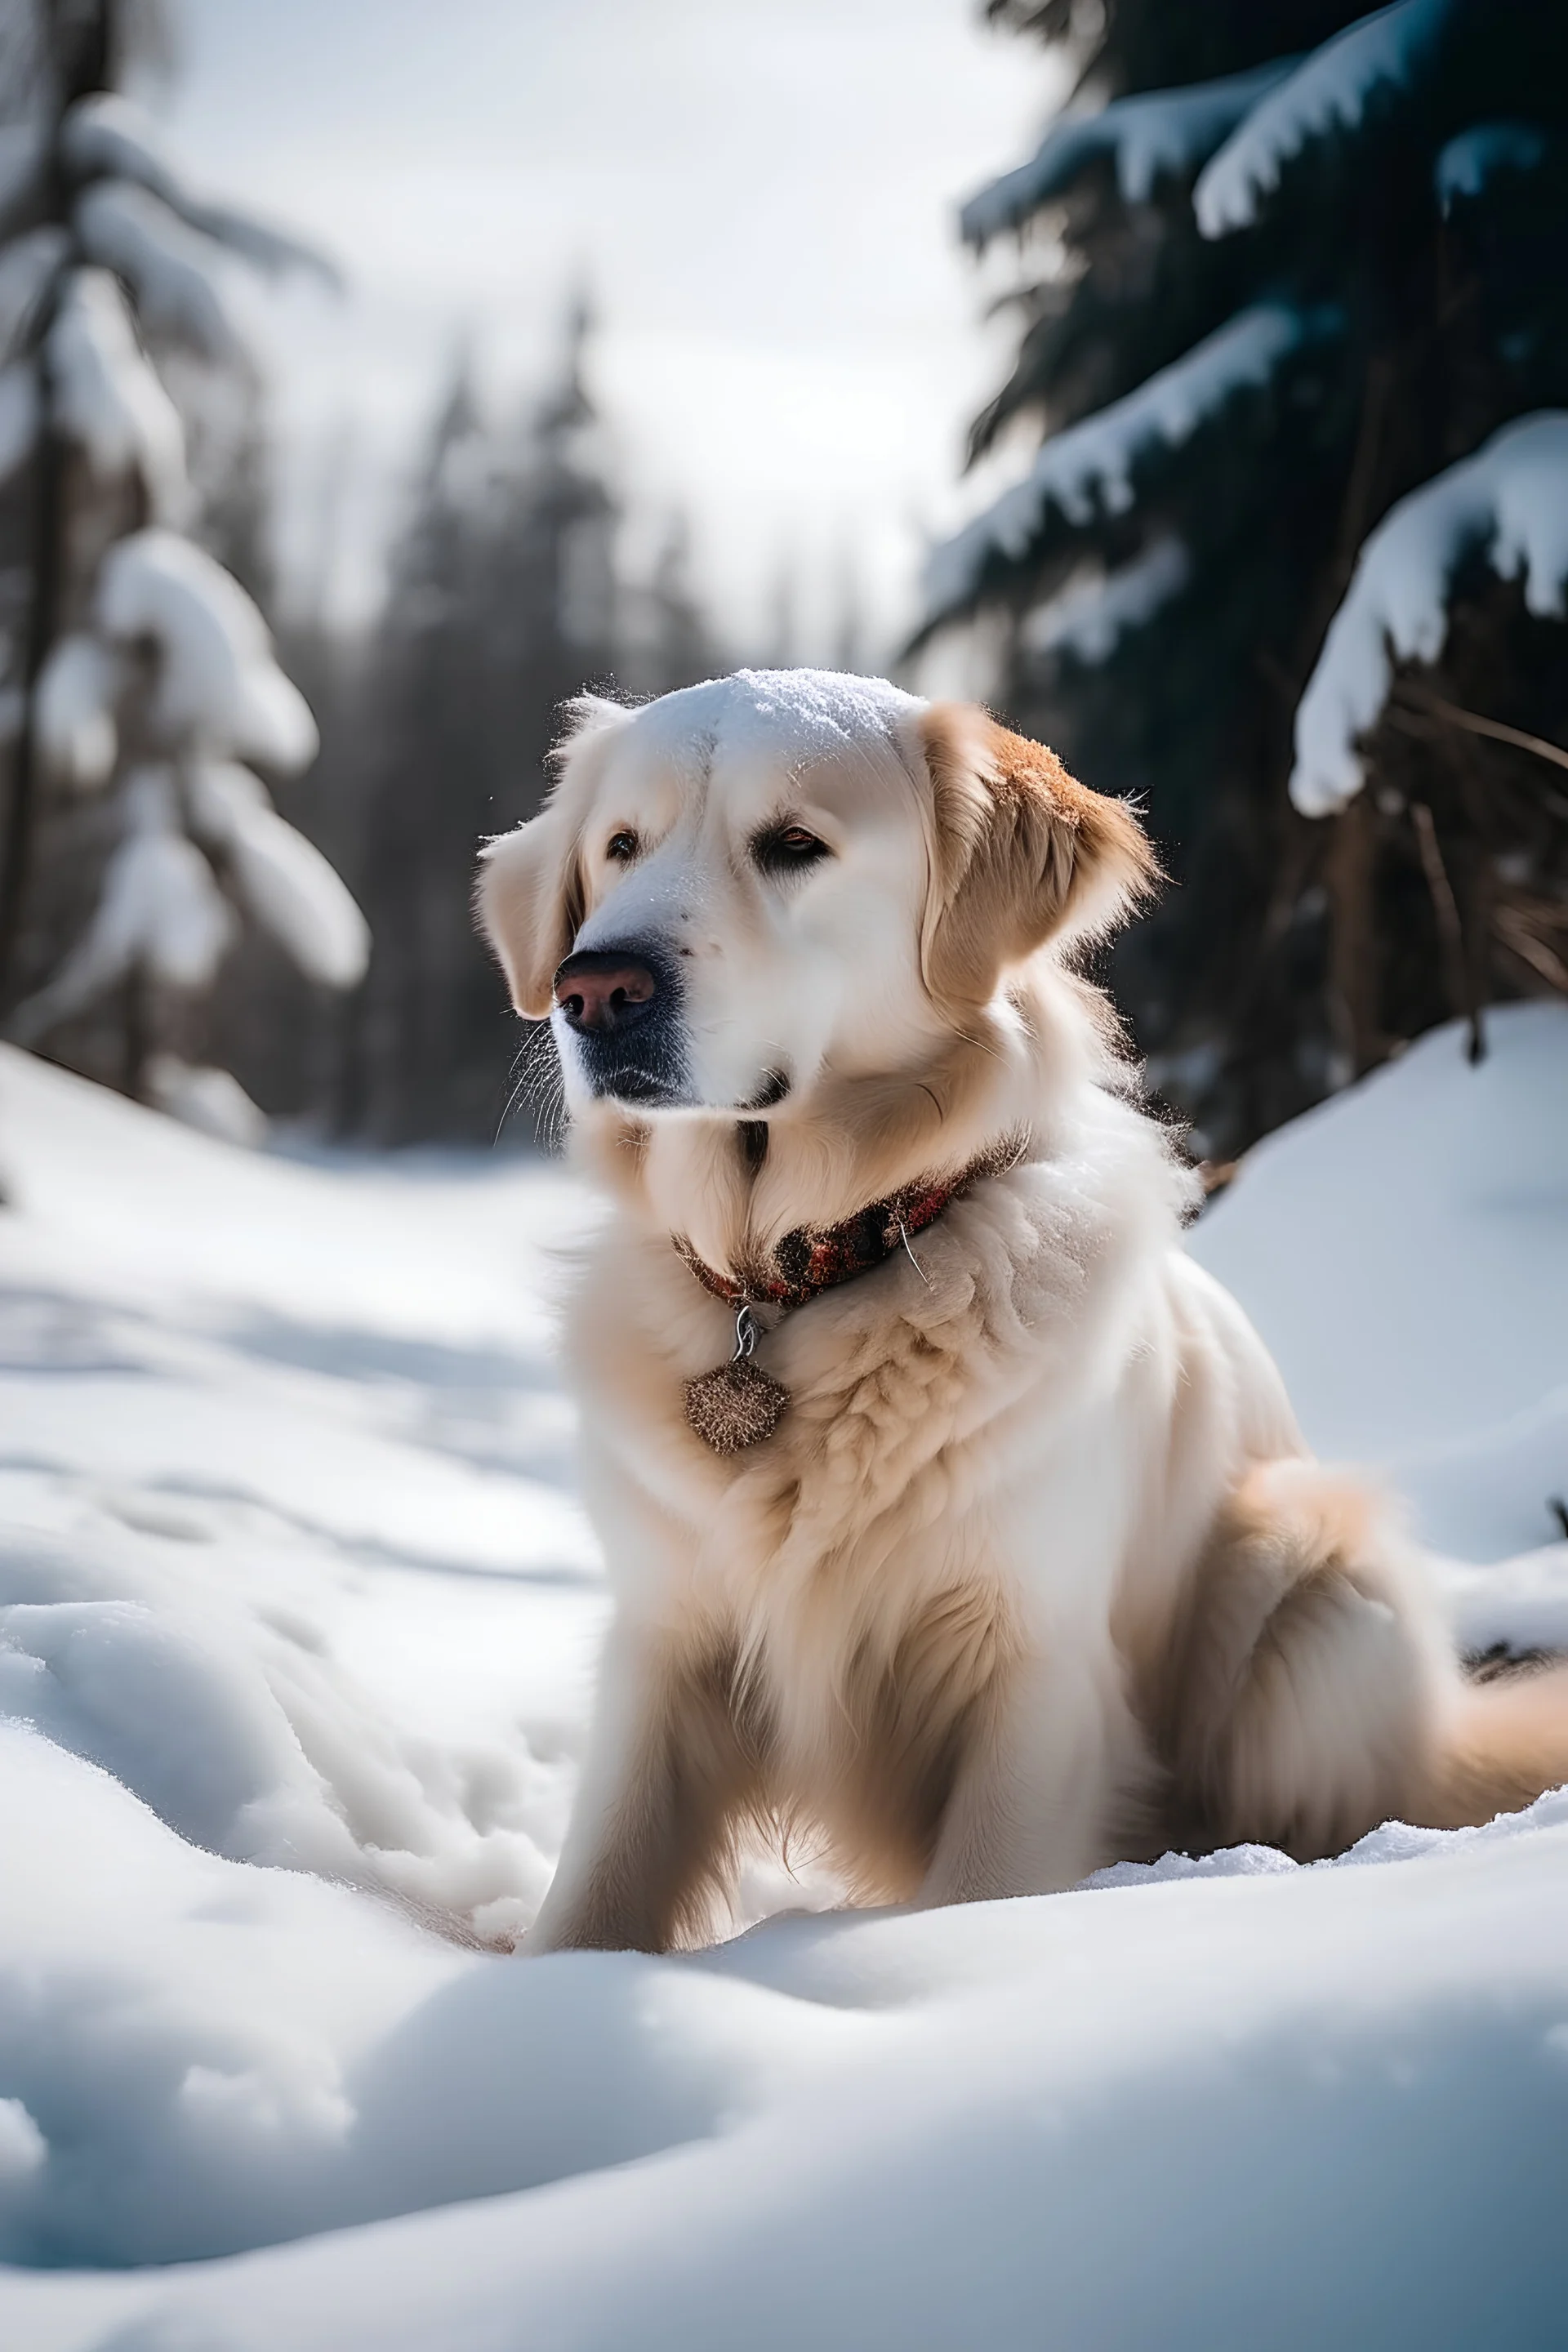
[604, 989]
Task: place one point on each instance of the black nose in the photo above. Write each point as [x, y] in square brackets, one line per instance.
[604, 989]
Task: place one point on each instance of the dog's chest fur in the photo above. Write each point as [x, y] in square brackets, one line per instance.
[865, 1546]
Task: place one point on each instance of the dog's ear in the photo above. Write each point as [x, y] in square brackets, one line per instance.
[530, 905]
[1023, 854]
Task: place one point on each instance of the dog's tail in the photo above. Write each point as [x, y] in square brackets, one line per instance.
[1505, 1742]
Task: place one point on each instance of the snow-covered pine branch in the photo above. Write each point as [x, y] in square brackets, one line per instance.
[1508, 504]
[160, 912]
[1090, 470]
[281, 880]
[28, 267]
[218, 687]
[74, 722]
[1383, 56]
[107, 136]
[106, 396]
[1409, 172]
[1474, 157]
[169, 268]
[1157, 134]
[1089, 617]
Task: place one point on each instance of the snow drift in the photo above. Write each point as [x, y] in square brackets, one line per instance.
[297, 1625]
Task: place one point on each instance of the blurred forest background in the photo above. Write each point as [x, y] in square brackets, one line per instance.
[1266, 526]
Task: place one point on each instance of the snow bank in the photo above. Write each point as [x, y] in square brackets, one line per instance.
[298, 1623]
[218, 684]
[1088, 468]
[1404, 1250]
[1158, 134]
[1509, 504]
[270, 1394]
[107, 397]
[1120, 2118]
[1090, 617]
[1332, 90]
[209, 1100]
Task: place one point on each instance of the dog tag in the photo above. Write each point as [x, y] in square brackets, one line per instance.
[739, 1404]
[736, 1406]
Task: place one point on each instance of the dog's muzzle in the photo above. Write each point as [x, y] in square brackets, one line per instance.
[621, 1005]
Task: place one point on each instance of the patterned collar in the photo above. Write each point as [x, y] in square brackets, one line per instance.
[811, 1259]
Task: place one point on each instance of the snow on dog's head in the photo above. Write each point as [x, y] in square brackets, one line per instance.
[748, 884]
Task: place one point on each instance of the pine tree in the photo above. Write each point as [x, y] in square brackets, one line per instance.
[1286, 271]
[507, 598]
[146, 678]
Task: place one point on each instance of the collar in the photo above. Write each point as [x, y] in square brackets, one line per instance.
[813, 1259]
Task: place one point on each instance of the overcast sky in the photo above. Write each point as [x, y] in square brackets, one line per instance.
[760, 196]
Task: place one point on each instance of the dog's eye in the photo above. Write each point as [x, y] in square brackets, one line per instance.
[622, 848]
[784, 847]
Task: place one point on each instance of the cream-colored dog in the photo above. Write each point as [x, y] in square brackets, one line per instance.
[950, 1509]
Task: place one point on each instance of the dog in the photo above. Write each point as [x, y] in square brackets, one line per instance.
[952, 1511]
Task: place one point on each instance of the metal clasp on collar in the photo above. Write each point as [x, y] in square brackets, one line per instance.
[747, 1334]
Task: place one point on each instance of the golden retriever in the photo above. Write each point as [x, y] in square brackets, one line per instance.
[950, 1508]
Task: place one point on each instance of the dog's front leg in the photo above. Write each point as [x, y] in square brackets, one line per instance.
[668, 1776]
[1052, 1773]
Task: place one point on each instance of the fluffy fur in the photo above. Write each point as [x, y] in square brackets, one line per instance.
[1035, 1573]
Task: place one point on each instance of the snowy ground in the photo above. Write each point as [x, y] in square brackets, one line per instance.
[297, 1624]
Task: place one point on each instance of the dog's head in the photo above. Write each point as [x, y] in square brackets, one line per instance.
[745, 885]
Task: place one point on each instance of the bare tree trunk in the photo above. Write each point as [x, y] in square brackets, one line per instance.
[1458, 972]
[83, 43]
[21, 813]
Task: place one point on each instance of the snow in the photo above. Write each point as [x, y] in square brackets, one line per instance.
[282, 879]
[169, 268]
[1508, 503]
[1090, 617]
[211, 1101]
[218, 684]
[1332, 90]
[1425, 1215]
[159, 913]
[1158, 133]
[1088, 468]
[299, 1616]
[18, 415]
[812, 713]
[1469, 160]
[107, 397]
[74, 716]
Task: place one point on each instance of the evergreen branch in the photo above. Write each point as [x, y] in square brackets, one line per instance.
[1475, 723]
